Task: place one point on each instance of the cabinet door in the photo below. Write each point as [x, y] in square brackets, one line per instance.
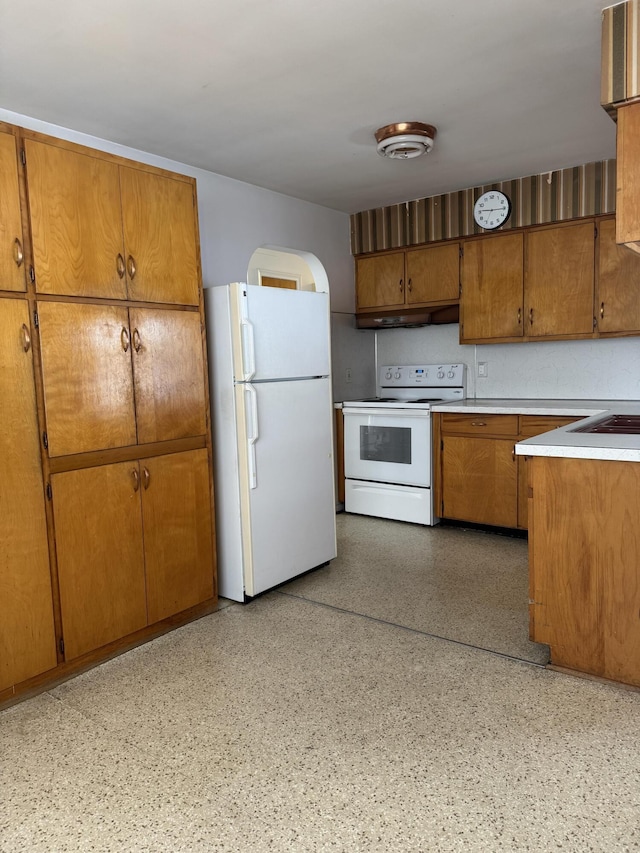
[433, 274]
[88, 385]
[479, 480]
[380, 281]
[492, 288]
[76, 223]
[617, 302]
[161, 237]
[27, 637]
[176, 506]
[628, 175]
[559, 277]
[98, 526]
[11, 240]
[168, 373]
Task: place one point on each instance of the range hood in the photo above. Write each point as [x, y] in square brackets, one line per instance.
[410, 317]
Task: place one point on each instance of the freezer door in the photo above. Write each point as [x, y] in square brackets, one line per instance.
[287, 480]
[280, 334]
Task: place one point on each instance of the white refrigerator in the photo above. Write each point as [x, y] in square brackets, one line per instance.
[272, 418]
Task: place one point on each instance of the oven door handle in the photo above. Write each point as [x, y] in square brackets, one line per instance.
[388, 413]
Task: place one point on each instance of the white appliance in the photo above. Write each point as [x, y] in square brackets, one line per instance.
[388, 444]
[269, 352]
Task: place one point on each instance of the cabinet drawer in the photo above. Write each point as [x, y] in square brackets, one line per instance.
[479, 424]
[531, 425]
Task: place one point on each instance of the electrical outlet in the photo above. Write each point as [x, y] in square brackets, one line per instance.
[347, 374]
[483, 368]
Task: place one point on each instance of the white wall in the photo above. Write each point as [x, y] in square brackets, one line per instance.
[237, 218]
[604, 369]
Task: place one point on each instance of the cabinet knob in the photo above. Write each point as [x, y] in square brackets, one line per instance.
[519, 316]
[120, 265]
[531, 316]
[136, 479]
[137, 341]
[131, 267]
[124, 339]
[478, 423]
[146, 477]
[18, 254]
[601, 310]
[400, 285]
[410, 286]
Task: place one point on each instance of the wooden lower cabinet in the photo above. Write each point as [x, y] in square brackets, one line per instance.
[584, 552]
[134, 545]
[478, 476]
[27, 635]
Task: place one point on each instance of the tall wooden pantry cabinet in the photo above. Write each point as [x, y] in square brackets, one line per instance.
[106, 500]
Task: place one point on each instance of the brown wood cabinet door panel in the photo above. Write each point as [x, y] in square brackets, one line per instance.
[161, 237]
[178, 546]
[380, 281]
[433, 274]
[76, 222]
[27, 636]
[168, 374]
[88, 384]
[531, 425]
[628, 174]
[492, 287]
[523, 492]
[559, 280]
[479, 480]
[12, 265]
[98, 526]
[618, 289]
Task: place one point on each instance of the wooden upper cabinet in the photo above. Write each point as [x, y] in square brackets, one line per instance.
[618, 283]
[99, 545]
[100, 228]
[27, 636]
[168, 374]
[12, 265]
[176, 506]
[628, 176]
[492, 288]
[76, 223]
[88, 385]
[380, 281]
[559, 280]
[161, 238]
[433, 274]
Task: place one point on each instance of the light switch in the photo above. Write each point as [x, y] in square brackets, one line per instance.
[483, 368]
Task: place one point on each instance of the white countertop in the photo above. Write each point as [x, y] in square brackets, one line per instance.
[561, 442]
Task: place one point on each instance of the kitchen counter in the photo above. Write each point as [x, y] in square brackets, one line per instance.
[562, 442]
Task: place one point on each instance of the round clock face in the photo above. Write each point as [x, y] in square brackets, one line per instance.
[492, 209]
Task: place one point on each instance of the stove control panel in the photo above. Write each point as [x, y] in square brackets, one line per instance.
[417, 375]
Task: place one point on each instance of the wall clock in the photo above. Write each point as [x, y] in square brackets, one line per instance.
[492, 209]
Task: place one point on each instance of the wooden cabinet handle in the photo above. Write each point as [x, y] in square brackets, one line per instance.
[478, 423]
[120, 265]
[513, 453]
[124, 339]
[18, 254]
[146, 477]
[531, 316]
[601, 310]
[136, 479]
[137, 342]
[26, 338]
[131, 267]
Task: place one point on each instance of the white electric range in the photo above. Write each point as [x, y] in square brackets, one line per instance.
[388, 445]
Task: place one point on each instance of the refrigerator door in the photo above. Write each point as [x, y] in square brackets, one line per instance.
[279, 334]
[286, 480]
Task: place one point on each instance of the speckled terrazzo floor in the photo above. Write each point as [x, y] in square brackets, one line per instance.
[464, 585]
[288, 725]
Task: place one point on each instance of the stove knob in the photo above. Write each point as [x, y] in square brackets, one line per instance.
[441, 374]
[397, 375]
[451, 374]
[387, 375]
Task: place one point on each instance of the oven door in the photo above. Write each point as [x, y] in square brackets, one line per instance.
[388, 445]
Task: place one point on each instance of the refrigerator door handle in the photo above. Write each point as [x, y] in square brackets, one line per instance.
[248, 349]
[253, 436]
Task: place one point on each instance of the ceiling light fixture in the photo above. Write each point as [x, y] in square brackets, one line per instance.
[405, 140]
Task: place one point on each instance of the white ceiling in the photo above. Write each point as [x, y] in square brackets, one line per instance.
[287, 94]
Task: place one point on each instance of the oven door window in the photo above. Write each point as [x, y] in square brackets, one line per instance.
[385, 444]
